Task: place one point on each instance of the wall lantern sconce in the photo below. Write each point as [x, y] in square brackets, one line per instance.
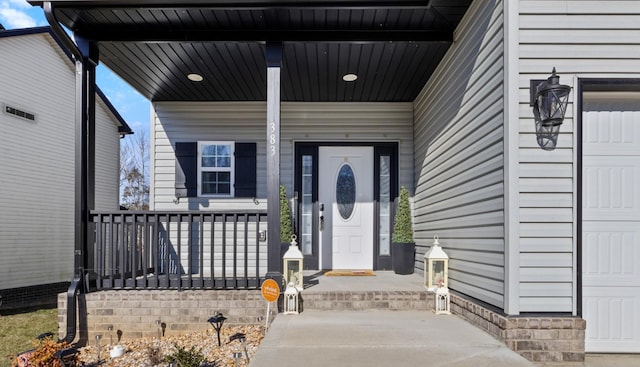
[436, 267]
[549, 101]
[293, 265]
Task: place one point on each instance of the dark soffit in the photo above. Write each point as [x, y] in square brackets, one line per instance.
[393, 46]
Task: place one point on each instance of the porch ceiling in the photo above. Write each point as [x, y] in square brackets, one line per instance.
[393, 46]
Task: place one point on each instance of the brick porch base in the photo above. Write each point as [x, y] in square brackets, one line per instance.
[544, 340]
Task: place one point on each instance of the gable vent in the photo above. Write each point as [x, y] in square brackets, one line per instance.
[19, 113]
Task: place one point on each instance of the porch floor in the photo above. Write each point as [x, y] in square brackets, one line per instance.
[394, 327]
[316, 281]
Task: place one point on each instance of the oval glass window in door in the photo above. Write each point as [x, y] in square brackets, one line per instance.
[345, 191]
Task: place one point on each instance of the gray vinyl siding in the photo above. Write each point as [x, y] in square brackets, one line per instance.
[582, 39]
[38, 162]
[459, 170]
[246, 122]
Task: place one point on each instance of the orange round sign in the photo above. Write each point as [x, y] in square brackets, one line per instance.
[270, 290]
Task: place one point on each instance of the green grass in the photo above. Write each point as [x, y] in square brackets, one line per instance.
[18, 332]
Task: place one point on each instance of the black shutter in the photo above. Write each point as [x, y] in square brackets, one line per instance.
[186, 184]
[245, 171]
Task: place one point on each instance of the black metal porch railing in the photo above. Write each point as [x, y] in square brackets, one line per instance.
[177, 250]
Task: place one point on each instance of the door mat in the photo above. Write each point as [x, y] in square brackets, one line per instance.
[347, 273]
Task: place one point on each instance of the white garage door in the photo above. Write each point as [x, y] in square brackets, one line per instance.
[611, 222]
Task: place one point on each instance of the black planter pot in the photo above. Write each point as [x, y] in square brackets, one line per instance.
[403, 257]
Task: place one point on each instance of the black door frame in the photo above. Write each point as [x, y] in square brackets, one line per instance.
[311, 262]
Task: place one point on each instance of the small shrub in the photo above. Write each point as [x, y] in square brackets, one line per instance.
[185, 358]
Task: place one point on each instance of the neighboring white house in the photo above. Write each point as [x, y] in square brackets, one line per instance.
[37, 164]
[530, 232]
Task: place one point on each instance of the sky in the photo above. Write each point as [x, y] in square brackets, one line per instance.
[132, 106]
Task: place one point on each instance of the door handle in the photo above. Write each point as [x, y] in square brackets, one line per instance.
[322, 222]
[321, 215]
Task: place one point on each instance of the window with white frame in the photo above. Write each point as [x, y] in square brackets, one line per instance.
[216, 168]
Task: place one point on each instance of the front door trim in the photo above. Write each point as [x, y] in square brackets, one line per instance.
[310, 149]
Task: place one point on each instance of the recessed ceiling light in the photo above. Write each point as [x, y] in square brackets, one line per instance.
[195, 77]
[349, 77]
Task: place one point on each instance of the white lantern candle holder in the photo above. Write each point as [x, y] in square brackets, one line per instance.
[436, 267]
[443, 301]
[291, 300]
[293, 265]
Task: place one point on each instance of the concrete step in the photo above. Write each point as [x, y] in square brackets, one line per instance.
[366, 300]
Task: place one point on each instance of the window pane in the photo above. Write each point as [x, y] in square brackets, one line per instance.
[307, 164]
[306, 207]
[209, 150]
[345, 191]
[208, 161]
[306, 184]
[216, 183]
[223, 162]
[385, 206]
[223, 150]
[216, 155]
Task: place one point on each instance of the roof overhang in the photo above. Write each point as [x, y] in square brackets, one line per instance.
[392, 46]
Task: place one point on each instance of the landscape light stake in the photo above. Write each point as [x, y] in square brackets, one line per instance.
[98, 337]
[243, 339]
[236, 358]
[217, 321]
[110, 329]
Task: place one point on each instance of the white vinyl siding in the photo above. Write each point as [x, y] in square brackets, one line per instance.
[38, 162]
[246, 122]
[107, 168]
[581, 39]
[37, 165]
[459, 157]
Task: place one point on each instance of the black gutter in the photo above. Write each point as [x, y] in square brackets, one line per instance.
[59, 32]
[80, 201]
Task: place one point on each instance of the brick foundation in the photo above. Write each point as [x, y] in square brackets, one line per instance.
[135, 313]
[366, 300]
[544, 340]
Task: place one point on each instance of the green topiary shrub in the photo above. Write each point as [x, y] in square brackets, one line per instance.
[286, 226]
[402, 226]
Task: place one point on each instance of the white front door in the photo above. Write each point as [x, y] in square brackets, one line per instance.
[611, 222]
[345, 180]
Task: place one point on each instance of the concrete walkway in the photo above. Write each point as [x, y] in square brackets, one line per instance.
[379, 338]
